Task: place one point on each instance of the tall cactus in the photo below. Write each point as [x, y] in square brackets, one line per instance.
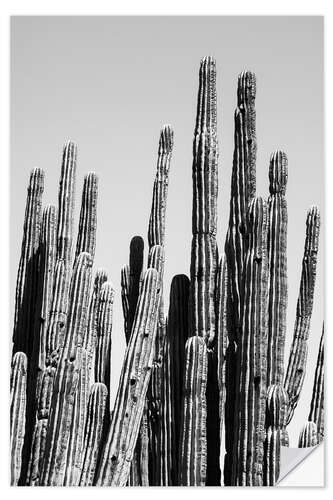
[277, 259]
[128, 409]
[18, 387]
[276, 413]
[193, 447]
[104, 330]
[299, 350]
[86, 237]
[26, 284]
[67, 376]
[243, 187]
[317, 401]
[249, 424]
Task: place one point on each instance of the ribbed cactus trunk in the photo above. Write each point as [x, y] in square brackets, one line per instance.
[308, 435]
[86, 236]
[128, 408]
[18, 387]
[299, 349]
[277, 260]
[193, 443]
[72, 359]
[97, 406]
[27, 276]
[158, 409]
[204, 257]
[317, 401]
[276, 414]
[250, 405]
[243, 187]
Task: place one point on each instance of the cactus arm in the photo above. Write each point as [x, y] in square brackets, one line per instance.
[308, 435]
[204, 208]
[317, 401]
[193, 449]
[86, 236]
[277, 259]
[134, 379]
[67, 376]
[276, 414]
[298, 353]
[26, 284]
[93, 431]
[251, 359]
[104, 330]
[18, 386]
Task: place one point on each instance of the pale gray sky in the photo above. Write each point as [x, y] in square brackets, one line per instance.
[110, 83]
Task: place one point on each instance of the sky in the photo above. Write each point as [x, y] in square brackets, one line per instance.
[110, 83]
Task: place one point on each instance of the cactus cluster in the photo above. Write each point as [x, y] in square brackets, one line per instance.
[203, 397]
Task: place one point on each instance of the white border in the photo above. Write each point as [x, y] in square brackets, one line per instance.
[145, 7]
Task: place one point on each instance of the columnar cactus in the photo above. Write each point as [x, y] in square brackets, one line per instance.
[193, 448]
[86, 236]
[243, 187]
[308, 435]
[317, 402]
[18, 386]
[128, 409]
[26, 284]
[249, 424]
[222, 329]
[299, 350]
[276, 413]
[93, 432]
[71, 358]
[277, 260]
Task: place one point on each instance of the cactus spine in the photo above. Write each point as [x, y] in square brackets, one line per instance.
[193, 447]
[277, 259]
[18, 386]
[299, 350]
[317, 402]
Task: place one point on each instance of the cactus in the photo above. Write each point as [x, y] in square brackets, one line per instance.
[18, 385]
[299, 350]
[104, 330]
[317, 401]
[251, 356]
[243, 187]
[277, 406]
[26, 284]
[71, 359]
[86, 236]
[193, 448]
[93, 432]
[277, 259]
[308, 435]
[134, 379]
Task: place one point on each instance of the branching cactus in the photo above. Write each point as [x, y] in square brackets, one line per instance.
[128, 409]
[277, 260]
[276, 413]
[193, 448]
[317, 402]
[18, 387]
[308, 435]
[26, 284]
[299, 349]
[93, 432]
[249, 424]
